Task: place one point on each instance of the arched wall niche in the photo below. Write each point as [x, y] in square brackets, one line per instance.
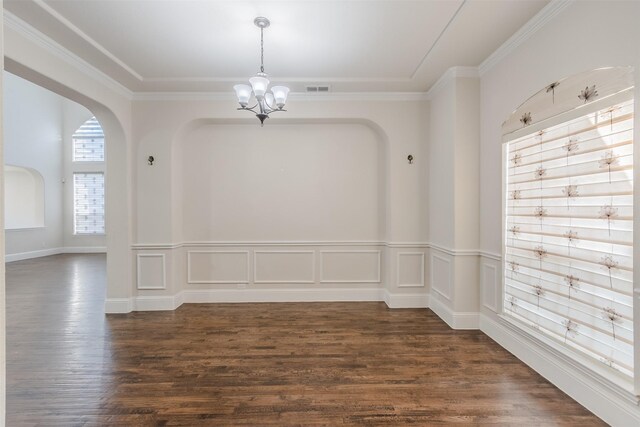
[249, 128]
[24, 198]
[118, 182]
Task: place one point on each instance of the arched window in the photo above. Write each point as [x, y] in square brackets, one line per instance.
[568, 218]
[88, 142]
[88, 181]
[24, 198]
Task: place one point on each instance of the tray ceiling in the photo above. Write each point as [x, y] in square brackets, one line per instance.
[352, 46]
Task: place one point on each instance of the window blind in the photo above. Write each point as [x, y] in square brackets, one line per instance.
[88, 142]
[88, 202]
[569, 234]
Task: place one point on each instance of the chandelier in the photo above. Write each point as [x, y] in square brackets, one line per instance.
[265, 102]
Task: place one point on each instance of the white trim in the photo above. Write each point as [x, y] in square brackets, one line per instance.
[339, 243]
[282, 295]
[157, 303]
[255, 267]
[64, 21]
[413, 300]
[30, 33]
[213, 296]
[491, 255]
[33, 254]
[164, 271]
[274, 243]
[450, 74]
[83, 250]
[157, 246]
[118, 305]
[410, 285]
[614, 405]
[376, 280]
[296, 96]
[55, 251]
[455, 252]
[524, 33]
[416, 245]
[455, 320]
[193, 282]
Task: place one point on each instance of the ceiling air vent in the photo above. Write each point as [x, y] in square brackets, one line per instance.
[317, 89]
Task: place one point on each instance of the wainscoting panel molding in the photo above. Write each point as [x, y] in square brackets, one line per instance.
[277, 267]
[410, 269]
[151, 271]
[441, 274]
[350, 266]
[205, 266]
[489, 286]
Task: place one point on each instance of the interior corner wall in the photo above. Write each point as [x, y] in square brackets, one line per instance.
[33, 139]
[441, 166]
[454, 200]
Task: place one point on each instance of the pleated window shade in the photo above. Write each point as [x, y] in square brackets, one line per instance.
[88, 203]
[88, 142]
[569, 234]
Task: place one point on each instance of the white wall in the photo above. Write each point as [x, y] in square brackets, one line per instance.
[441, 166]
[453, 197]
[33, 139]
[282, 183]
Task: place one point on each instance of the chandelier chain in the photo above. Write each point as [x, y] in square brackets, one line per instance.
[262, 50]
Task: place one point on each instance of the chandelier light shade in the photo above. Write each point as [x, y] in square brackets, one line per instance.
[266, 102]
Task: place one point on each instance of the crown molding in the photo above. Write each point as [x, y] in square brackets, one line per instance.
[298, 96]
[523, 34]
[39, 39]
[450, 74]
[77, 31]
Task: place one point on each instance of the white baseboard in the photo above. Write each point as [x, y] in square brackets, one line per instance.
[157, 303]
[171, 302]
[33, 254]
[84, 250]
[455, 320]
[406, 300]
[55, 251]
[118, 305]
[614, 405]
[281, 295]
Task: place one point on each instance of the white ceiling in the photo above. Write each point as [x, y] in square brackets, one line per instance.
[184, 45]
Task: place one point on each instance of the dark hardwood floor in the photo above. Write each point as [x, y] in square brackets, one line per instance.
[252, 364]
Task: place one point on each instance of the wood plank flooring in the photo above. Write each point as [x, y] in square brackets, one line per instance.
[311, 364]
